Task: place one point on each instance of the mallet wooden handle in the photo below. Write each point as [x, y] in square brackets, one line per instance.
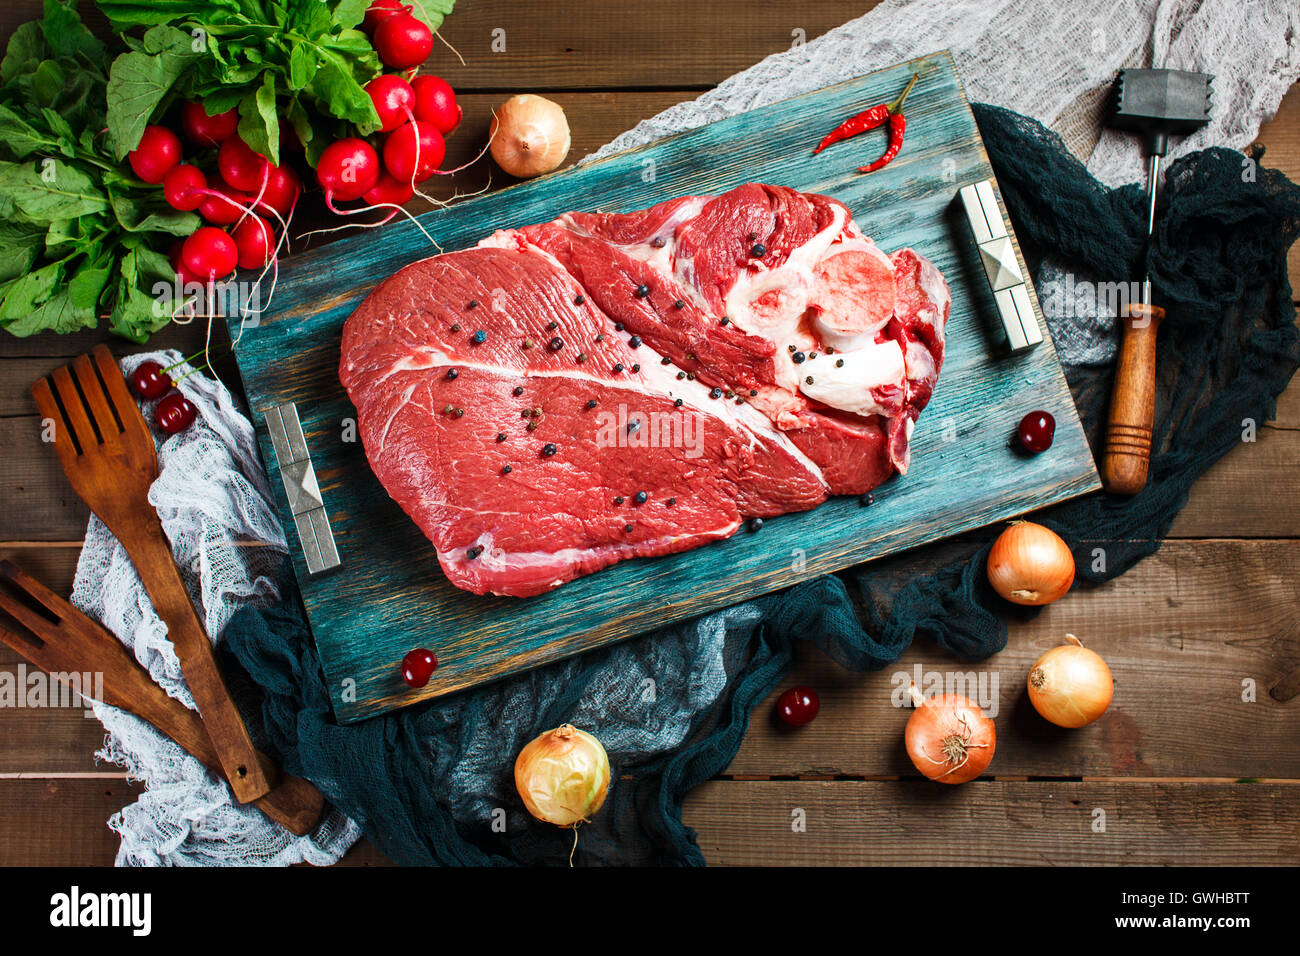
[1127, 452]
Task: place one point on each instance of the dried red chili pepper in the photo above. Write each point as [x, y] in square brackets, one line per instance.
[897, 127]
[866, 120]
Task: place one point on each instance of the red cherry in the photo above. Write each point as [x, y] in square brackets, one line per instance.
[175, 413]
[798, 706]
[150, 381]
[418, 666]
[1036, 431]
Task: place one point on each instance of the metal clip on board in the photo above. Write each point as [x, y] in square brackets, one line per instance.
[302, 489]
[992, 232]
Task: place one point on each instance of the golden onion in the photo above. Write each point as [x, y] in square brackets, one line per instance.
[563, 776]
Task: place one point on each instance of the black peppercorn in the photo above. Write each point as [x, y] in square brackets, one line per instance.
[797, 358]
[549, 449]
[642, 291]
[755, 524]
[715, 393]
[591, 403]
[679, 304]
[759, 250]
[641, 497]
[472, 304]
[452, 373]
[480, 337]
[519, 390]
[557, 343]
[578, 300]
[634, 341]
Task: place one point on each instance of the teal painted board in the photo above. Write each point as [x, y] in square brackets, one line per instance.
[390, 594]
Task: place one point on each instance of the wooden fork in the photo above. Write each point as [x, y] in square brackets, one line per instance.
[108, 455]
[68, 645]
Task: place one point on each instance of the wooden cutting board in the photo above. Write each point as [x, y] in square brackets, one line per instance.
[390, 596]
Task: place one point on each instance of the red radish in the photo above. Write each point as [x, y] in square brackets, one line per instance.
[158, 152]
[389, 191]
[210, 253]
[241, 167]
[222, 212]
[347, 169]
[393, 98]
[402, 41]
[255, 242]
[183, 187]
[435, 102]
[381, 10]
[282, 188]
[400, 152]
[208, 130]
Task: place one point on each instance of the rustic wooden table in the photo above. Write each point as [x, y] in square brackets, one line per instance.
[1181, 770]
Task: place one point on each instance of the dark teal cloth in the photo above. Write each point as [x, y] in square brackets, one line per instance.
[433, 784]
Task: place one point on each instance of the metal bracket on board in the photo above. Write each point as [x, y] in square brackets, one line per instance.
[301, 488]
[992, 231]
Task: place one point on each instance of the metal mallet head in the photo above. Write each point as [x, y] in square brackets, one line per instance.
[1158, 103]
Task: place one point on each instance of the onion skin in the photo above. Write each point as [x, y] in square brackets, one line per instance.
[1070, 685]
[563, 776]
[530, 135]
[949, 739]
[1030, 565]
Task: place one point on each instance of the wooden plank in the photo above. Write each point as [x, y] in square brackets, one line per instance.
[594, 44]
[1181, 632]
[1281, 139]
[63, 821]
[1239, 495]
[60, 822]
[293, 357]
[995, 823]
[1164, 656]
[599, 44]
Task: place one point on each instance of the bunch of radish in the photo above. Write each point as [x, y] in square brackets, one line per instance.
[415, 116]
[235, 200]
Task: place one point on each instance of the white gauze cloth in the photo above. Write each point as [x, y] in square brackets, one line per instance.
[1053, 62]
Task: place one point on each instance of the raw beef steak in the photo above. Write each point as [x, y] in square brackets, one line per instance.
[608, 386]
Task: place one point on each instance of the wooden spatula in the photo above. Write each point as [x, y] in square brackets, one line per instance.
[108, 455]
[63, 642]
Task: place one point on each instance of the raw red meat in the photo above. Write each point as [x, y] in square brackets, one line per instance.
[608, 386]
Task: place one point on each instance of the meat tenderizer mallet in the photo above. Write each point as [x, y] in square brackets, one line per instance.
[1155, 103]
